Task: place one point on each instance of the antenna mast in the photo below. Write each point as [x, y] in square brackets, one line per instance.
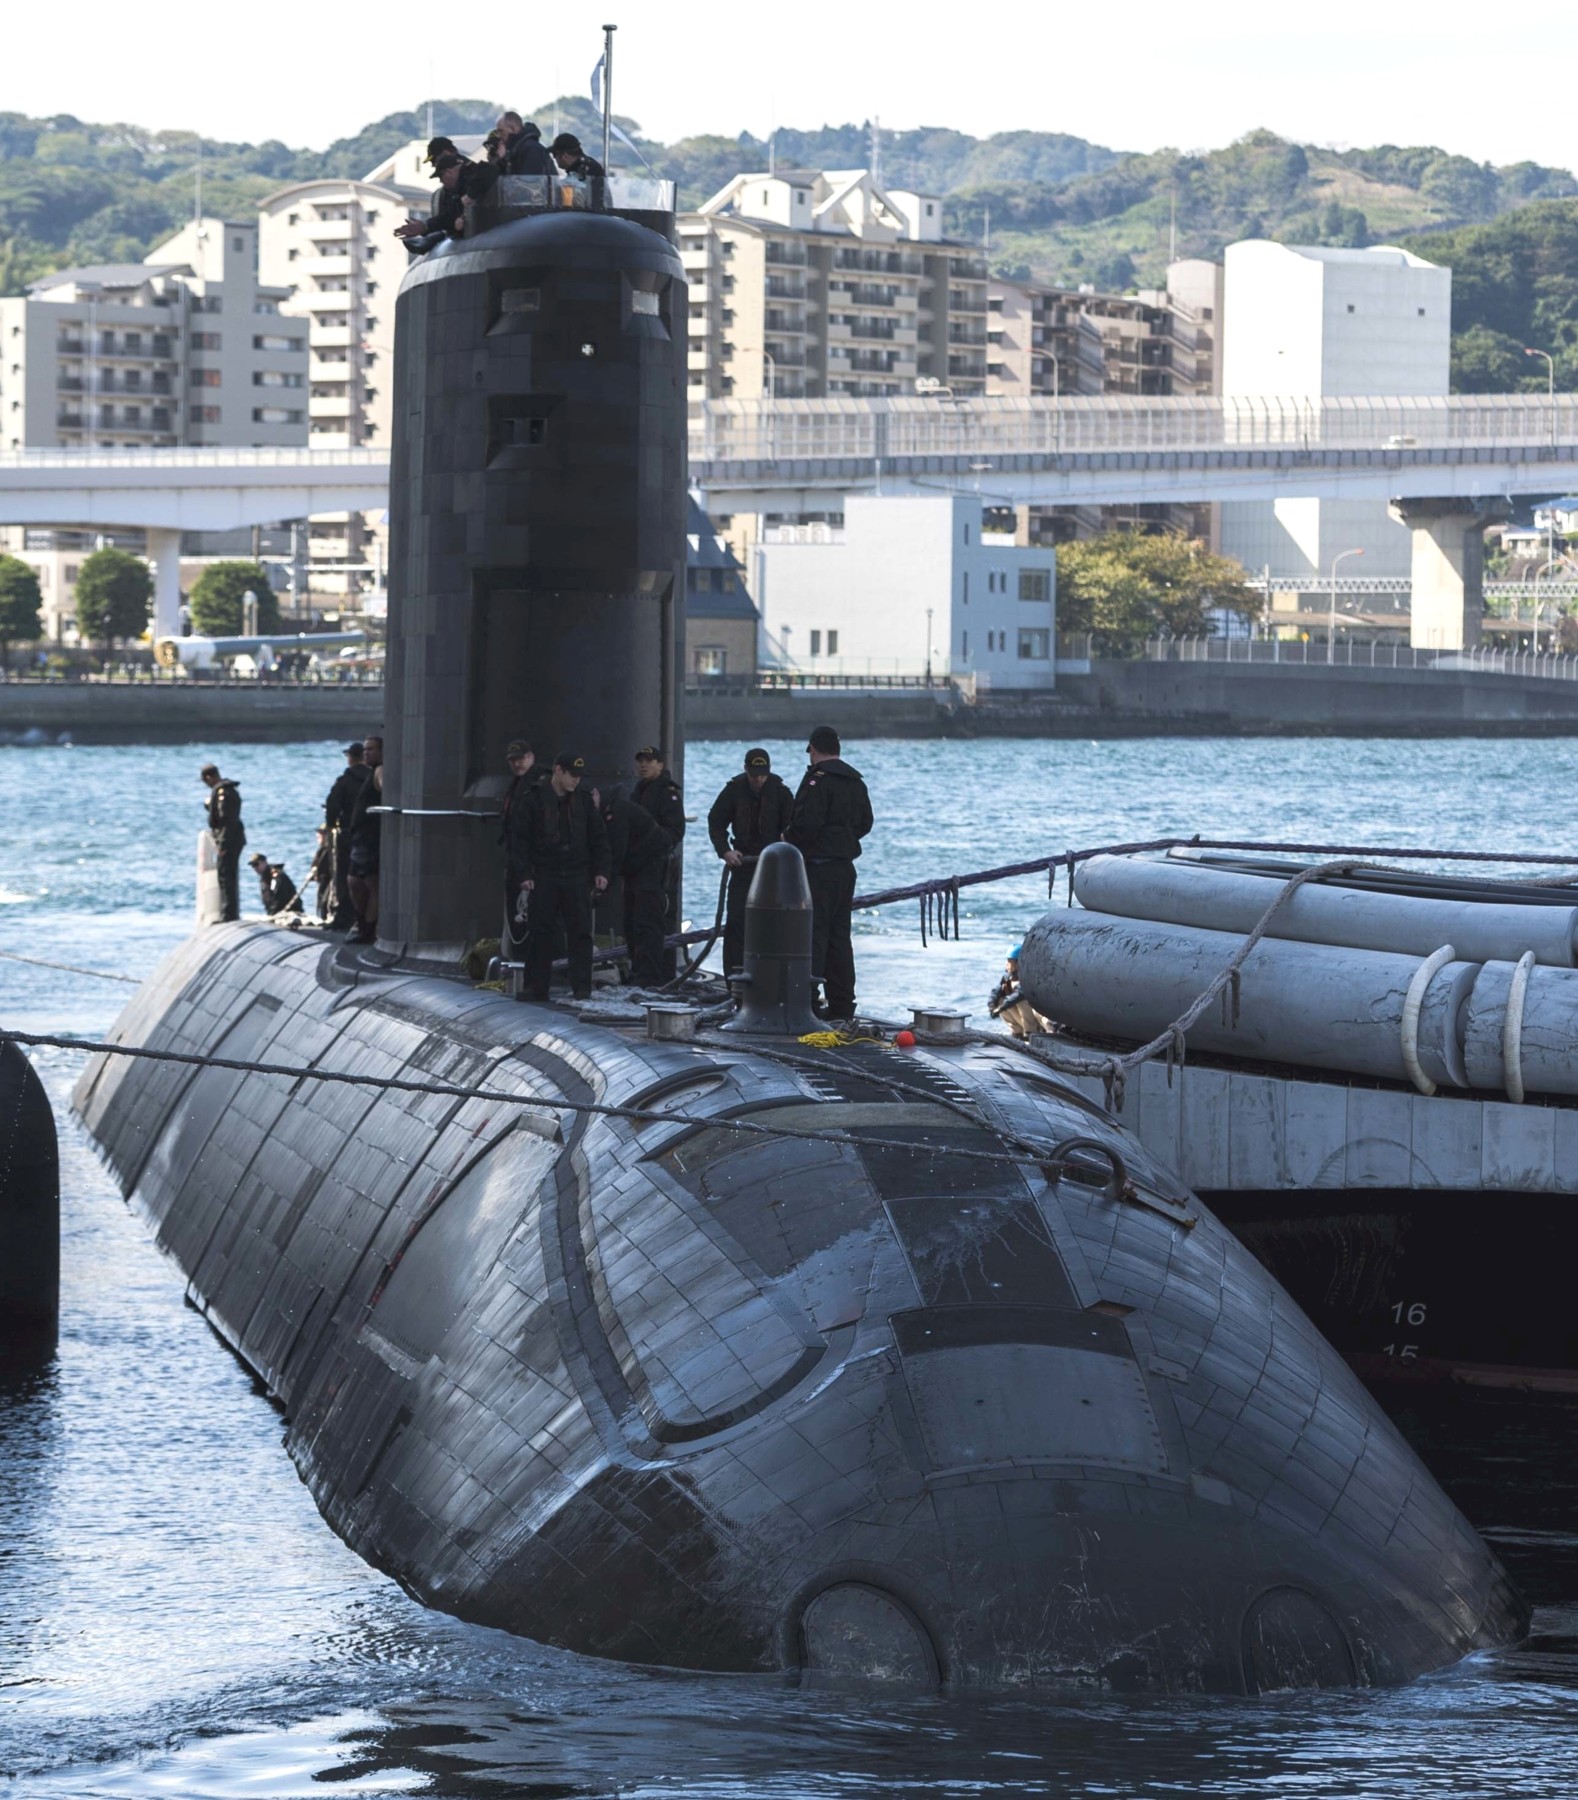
[608, 86]
[876, 153]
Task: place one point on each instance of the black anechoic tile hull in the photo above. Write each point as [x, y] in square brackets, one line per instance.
[661, 1391]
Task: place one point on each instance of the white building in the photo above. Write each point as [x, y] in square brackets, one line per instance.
[907, 584]
[1310, 324]
[332, 244]
[246, 362]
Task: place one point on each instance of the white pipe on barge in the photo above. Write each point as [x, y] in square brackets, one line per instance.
[1332, 1007]
[1184, 892]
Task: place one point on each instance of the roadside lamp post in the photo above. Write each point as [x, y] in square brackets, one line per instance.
[1550, 370]
[772, 374]
[1331, 630]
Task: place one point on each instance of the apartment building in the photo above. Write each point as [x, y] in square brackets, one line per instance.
[815, 284]
[1054, 341]
[186, 347]
[332, 245]
[246, 361]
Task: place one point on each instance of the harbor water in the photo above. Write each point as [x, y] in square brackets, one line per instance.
[176, 1619]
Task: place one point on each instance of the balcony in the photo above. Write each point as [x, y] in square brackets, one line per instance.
[782, 321]
[329, 231]
[787, 255]
[784, 287]
[329, 406]
[967, 334]
[68, 421]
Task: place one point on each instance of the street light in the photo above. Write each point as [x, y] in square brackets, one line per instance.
[1550, 368]
[1331, 632]
[772, 374]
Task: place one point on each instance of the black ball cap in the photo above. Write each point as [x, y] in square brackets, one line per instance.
[259, 858]
[758, 759]
[649, 753]
[825, 739]
[516, 747]
[572, 765]
[357, 750]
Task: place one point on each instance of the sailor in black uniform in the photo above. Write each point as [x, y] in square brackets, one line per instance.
[566, 858]
[751, 812]
[638, 853]
[229, 835]
[658, 792]
[832, 813]
[277, 888]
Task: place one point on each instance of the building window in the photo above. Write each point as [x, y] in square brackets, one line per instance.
[711, 659]
[964, 592]
[276, 378]
[832, 643]
[1034, 646]
[205, 378]
[964, 645]
[1035, 584]
[205, 415]
[262, 343]
[205, 340]
[816, 643]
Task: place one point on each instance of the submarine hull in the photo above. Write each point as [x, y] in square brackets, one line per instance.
[660, 1391]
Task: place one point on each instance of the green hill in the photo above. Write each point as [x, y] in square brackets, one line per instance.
[1052, 206]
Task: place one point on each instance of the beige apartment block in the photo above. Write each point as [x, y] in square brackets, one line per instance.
[332, 244]
[815, 284]
[186, 347]
[1069, 342]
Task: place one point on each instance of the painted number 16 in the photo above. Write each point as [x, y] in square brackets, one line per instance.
[1410, 1312]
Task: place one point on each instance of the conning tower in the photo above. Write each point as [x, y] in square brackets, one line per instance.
[537, 546]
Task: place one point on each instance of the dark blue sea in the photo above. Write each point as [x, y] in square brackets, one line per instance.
[176, 1619]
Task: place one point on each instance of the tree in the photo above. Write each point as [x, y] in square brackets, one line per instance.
[217, 606]
[1124, 588]
[21, 603]
[114, 597]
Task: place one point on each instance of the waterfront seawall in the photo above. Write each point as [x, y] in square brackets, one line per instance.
[1116, 699]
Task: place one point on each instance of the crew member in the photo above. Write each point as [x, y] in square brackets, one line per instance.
[366, 831]
[524, 776]
[659, 794]
[638, 858]
[460, 180]
[321, 873]
[832, 813]
[439, 146]
[566, 849]
[524, 150]
[1009, 1004]
[337, 808]
[278, 890]
[229, 834]
[568, 154]
[751, 812]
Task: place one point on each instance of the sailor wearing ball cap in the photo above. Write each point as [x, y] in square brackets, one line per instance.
[658, 792]
[832, 813]
[566, 856]
[750, 812]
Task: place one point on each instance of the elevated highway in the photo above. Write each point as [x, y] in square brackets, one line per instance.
[167, 492]
[1447, 464]
[790, 455]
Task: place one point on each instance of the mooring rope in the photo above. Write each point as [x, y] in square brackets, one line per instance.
[39, 962]
[1031, 1158]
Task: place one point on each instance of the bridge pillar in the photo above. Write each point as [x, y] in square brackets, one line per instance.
[1448, 605]
[164, 547]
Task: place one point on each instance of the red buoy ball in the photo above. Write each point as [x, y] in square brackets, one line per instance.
[905, 1040]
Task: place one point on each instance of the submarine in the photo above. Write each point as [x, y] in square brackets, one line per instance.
[730, 1352]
